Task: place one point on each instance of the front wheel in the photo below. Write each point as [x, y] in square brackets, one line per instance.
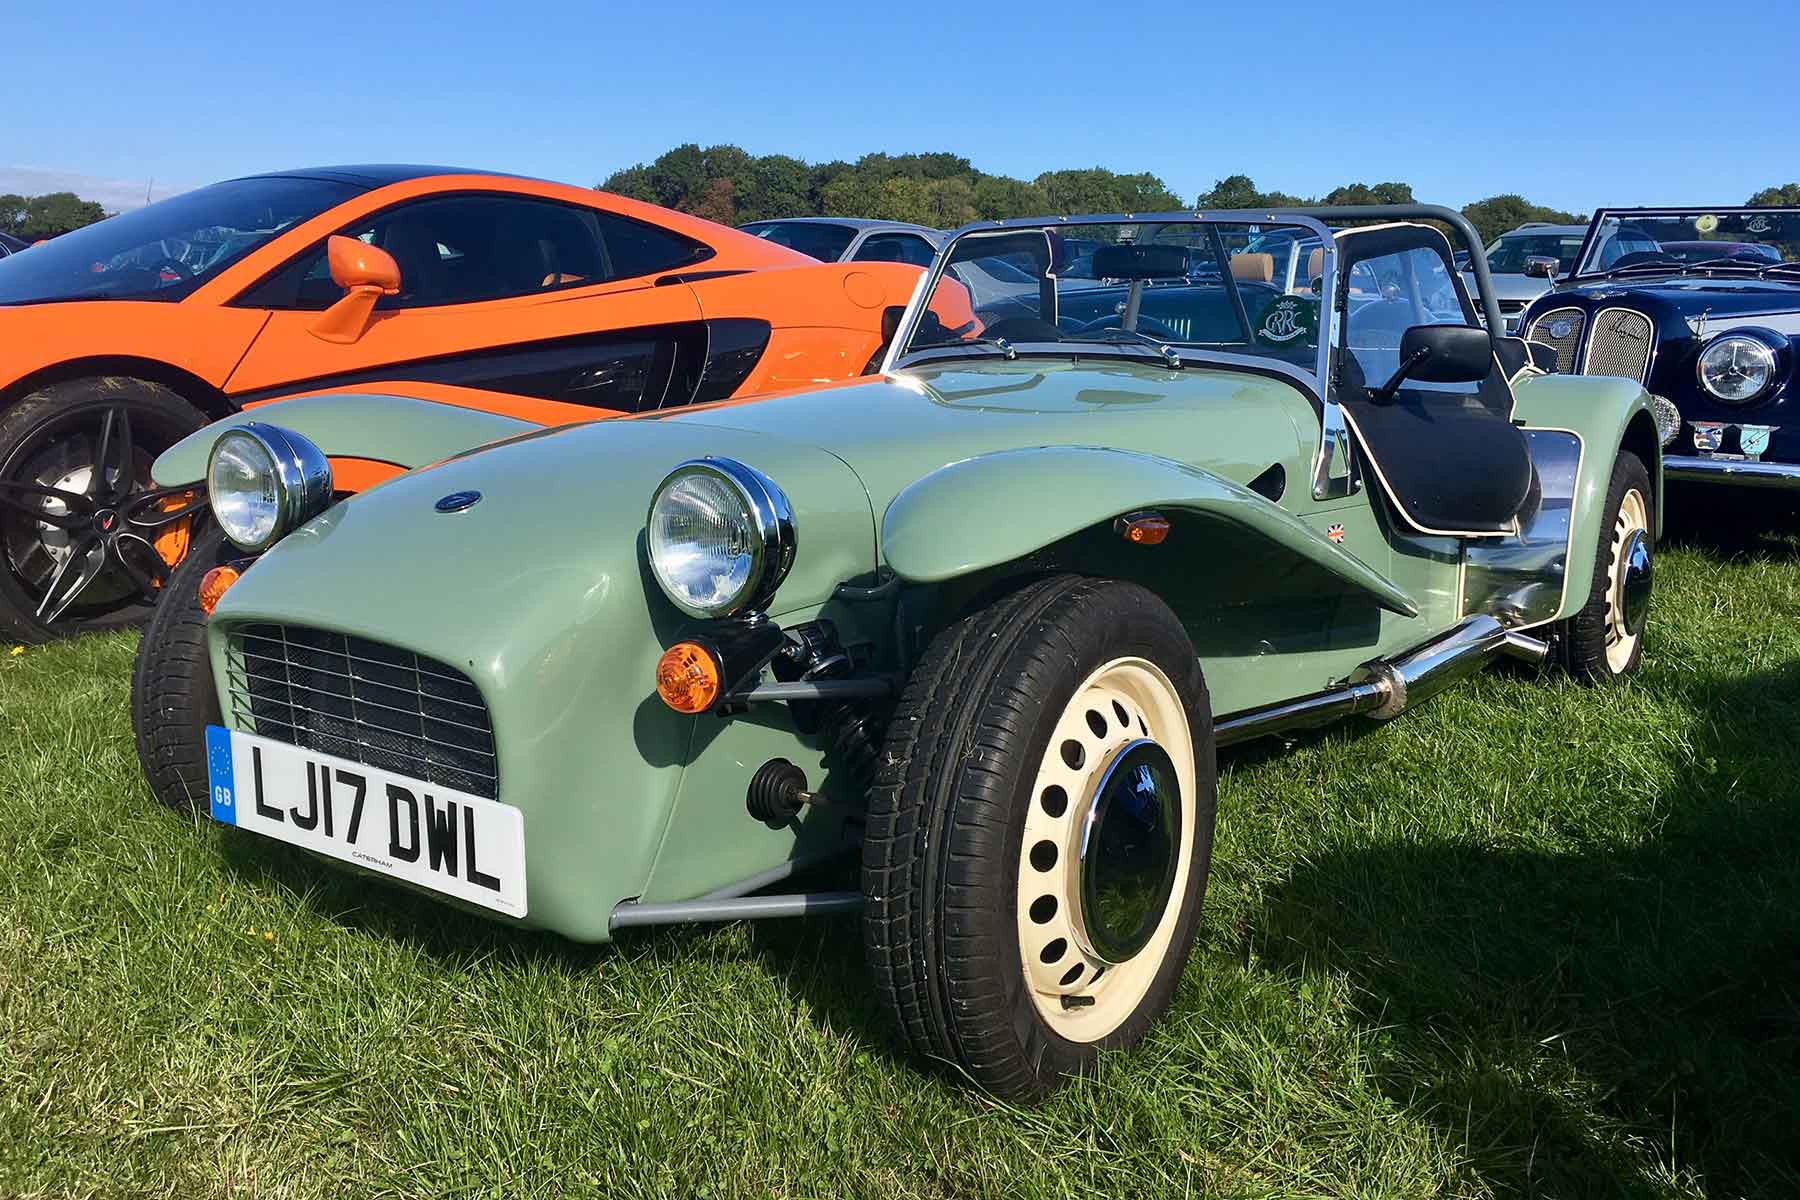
[172, 695]
[1604, 641]
[1039, 834]
[86, 539]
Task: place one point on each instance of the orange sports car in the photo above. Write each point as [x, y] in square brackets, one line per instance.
[118, 339]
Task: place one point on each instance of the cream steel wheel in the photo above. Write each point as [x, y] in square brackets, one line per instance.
[1103, 855]
[1039, 833]
[1602, 642]
[1627, 596]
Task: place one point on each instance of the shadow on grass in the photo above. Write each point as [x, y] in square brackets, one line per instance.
[816, 960]
[1510, 993]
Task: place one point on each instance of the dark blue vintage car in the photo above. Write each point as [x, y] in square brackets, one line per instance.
[1709, 322]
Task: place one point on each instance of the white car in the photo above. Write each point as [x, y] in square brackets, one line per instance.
[851, 239]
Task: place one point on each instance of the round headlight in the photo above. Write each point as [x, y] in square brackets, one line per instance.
[720, 537]
[264, 481]
[1737, 368]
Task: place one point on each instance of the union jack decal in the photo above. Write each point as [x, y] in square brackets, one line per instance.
[1335, 533]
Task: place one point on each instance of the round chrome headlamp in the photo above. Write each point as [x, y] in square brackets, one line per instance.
[1736, 368]
[720, 537]
[264, 482]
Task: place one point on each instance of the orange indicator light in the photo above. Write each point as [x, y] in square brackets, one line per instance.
[687, 677]
[1143, 529]
[214, 584]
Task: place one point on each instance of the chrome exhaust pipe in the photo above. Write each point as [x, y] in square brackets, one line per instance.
[1388, 686]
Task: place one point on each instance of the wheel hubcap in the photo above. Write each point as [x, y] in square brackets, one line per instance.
[1103, 859]
[1127, 857]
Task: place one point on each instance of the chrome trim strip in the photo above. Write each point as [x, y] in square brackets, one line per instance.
[1726, 470]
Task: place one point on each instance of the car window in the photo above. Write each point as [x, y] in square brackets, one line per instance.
[464, 249]
[1407, 287]
[819, 239]
[896, 247]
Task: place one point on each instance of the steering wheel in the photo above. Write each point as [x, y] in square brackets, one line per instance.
[181, 270]
[1148, 325]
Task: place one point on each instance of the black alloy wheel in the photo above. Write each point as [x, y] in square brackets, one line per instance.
[86, 539]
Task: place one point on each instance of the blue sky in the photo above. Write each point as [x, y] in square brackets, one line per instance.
[1572, 106]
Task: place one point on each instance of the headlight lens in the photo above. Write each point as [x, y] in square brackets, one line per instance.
[263, 482]
[720, 537]
[1737, 369]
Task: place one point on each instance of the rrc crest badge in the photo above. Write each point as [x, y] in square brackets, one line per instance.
[1708, 436]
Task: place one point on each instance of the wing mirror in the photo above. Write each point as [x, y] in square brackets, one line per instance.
[366, 273]
[1540, 266]
[1440, 354]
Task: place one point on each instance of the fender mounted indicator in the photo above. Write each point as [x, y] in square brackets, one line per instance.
[687, 677]
[1142, 528]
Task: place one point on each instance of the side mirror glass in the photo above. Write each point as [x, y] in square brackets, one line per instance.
[366, 273]
[1540, 266]
[1441, 354]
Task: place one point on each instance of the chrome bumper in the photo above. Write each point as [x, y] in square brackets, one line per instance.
[1726, 470]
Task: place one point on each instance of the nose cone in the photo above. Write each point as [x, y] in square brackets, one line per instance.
[521, 566]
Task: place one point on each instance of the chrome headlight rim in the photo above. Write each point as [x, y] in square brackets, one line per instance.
[1770, 356]
[770, 525]
[299, 471]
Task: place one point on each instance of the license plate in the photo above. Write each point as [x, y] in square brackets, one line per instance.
[435, 837]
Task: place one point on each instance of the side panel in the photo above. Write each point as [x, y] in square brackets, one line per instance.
[1604, 413]
[390, 429]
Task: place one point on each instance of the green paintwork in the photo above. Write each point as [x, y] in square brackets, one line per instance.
[947, 476]
[395, 429]
[1113, 484]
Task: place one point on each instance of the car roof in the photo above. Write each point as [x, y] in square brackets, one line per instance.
[374, 175]
[1536, 228]
[848, 222]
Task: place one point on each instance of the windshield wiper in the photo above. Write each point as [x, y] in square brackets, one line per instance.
[1780, 266]
[1163, 350]
[1006, 348]
[1713, 264]
[1664, 266]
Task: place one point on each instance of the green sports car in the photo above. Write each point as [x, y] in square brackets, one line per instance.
[984, 619]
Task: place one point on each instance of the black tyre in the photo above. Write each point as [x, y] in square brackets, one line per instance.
[1604, 642]
[85, 540]
[172, 695]
[1039, 833]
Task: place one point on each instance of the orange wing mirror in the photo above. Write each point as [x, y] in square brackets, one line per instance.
[366, 273]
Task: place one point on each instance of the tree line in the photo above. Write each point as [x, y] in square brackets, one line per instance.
[729, 185]
[33, 217]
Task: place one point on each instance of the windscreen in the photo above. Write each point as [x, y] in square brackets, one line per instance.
[1235, 288]
[166, 250]
[1689, 238]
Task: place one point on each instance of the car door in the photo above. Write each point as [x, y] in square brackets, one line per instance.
[510, 293]
[1445, 455]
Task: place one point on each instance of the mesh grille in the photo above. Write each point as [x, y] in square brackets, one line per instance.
[1619, 344]
[1560, 329]
[364, 701]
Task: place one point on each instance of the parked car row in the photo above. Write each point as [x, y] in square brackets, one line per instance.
[594, 567]
[1701, 306]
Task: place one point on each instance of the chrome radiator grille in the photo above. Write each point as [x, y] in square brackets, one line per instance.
[1560, 329]
[362, 700]
[1619, 344]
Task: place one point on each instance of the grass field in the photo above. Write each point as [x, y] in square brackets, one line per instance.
[1530, 939]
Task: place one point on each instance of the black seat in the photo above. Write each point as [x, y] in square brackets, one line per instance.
[1452, 462]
